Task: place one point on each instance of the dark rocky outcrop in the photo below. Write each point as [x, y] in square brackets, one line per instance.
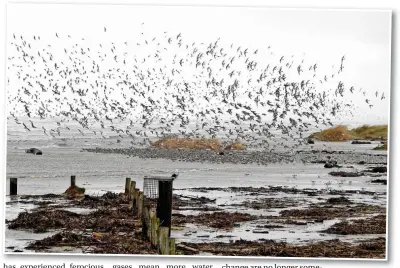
[331, 164]
[310, 141]
[34, 151]
[379, 169]
[380, 181]
[345, 174]
[360, 142]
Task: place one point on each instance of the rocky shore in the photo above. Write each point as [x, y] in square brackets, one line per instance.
[247, 157]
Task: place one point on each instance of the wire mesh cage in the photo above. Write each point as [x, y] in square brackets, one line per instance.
[151, 189]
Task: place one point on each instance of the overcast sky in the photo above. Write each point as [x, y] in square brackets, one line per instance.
[322, 36]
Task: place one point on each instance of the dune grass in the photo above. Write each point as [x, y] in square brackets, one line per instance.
[370, 132]
[338, 133]
[343, 133]
[174, 142]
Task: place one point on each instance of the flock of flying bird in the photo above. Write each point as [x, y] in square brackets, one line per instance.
[162, 85]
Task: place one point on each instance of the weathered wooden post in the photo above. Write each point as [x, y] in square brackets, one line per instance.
[13, 186]
[163, 240]
[172, 249]
[127, 185]
[164, 203]
[140, 205]
[132, 195]
[73, 181]
[155, 225]
[145, 216]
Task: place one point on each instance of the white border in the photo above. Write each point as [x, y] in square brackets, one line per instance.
[348, 5]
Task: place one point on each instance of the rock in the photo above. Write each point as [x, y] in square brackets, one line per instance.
[34, 151]
[384, 182]
[300, 223]
[331, 164]
[345, 174]
[338, 200]
[260, 232]
[360, 142]
[223, 236]
[310, 141]
[379, 169]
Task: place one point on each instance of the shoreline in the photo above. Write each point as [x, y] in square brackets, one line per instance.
[226, 220]
[247, 157]
[106, 225]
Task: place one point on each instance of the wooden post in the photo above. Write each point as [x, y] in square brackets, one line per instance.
[145, 221]
[163, 240]
[140, 205]
[137, 193]
[13, 186]
[135, 199]
[127, 185]
[155, 224]
[132, 196]
[133, 186]
[172, 250]
[164, 204]
[73, 181]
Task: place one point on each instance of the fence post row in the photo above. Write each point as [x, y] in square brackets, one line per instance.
[153, 206]
[156, 220]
